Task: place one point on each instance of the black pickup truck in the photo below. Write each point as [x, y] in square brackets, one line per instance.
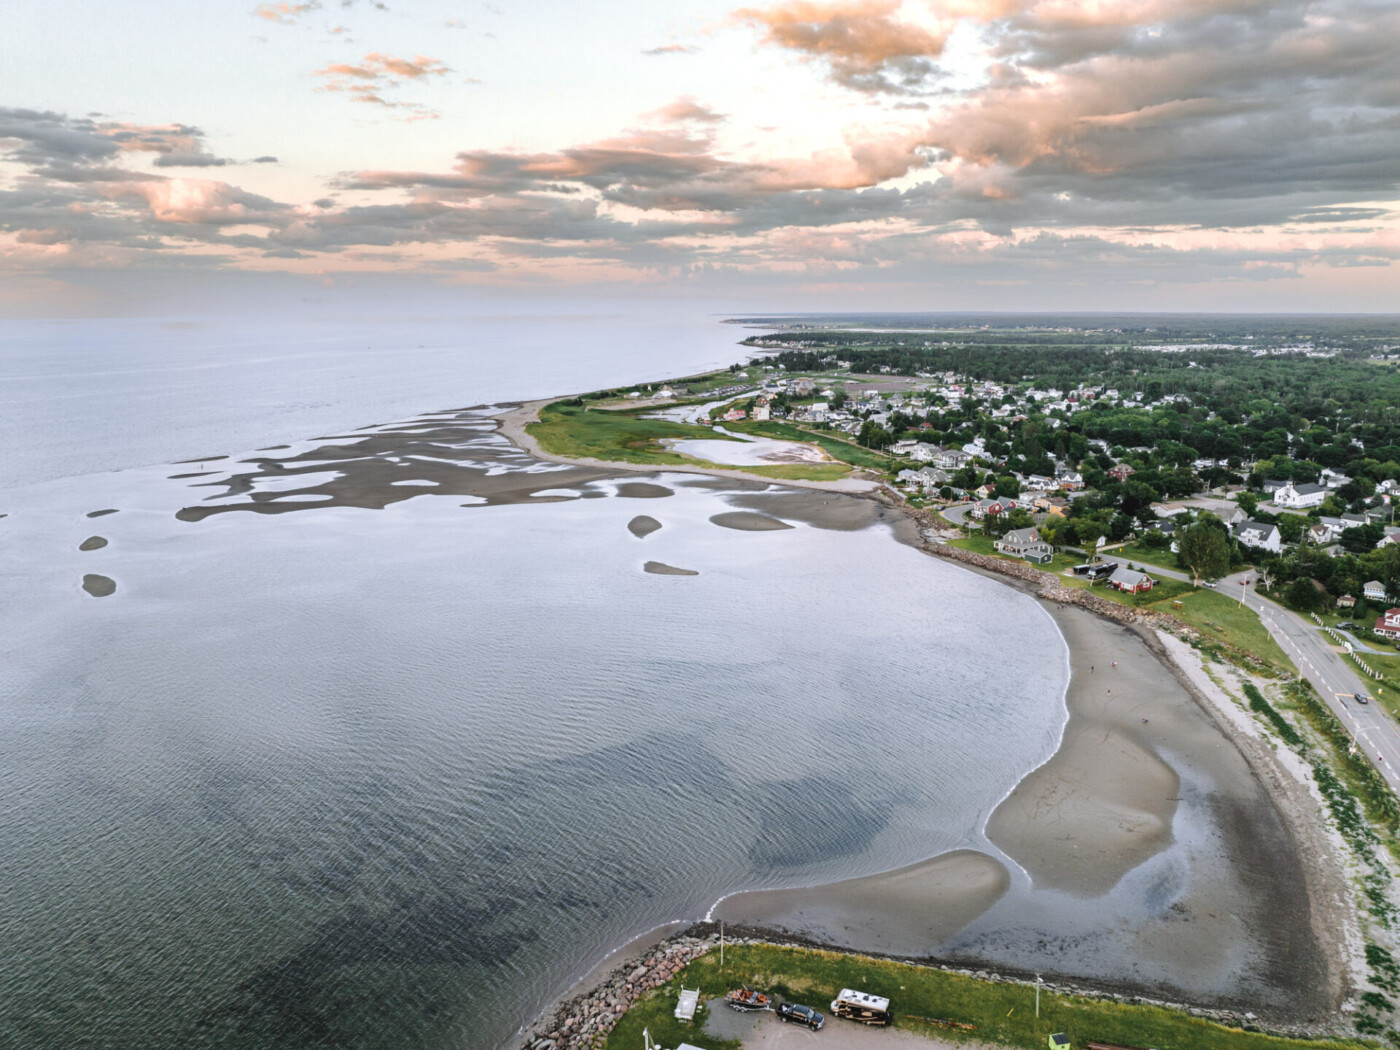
[801, 1015]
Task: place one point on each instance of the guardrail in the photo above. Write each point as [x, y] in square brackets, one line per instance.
[1345, 643]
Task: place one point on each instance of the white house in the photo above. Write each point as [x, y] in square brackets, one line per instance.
[1300, 497]
[1259, 535]
[1388, 624]
[1373, 591]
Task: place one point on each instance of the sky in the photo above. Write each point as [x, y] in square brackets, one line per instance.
[1193, 155]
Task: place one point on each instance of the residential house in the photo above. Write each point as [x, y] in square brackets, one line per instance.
[1346, 601]
[923, 452]
[1300, 497]
[903, 448]
[1130, 581]
[1373, 591]
[1327, 530]
[952, 459]
[734, 415]
[1388, 624]
[1121, 472]
[1272, 485]
[763, 407]
[1026, 543]
[984, 507]
[1259, 535]
[1392, 535]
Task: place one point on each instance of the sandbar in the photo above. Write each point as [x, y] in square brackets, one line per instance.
[748, 521]
[101, 513]
[643, 490]
[660, 568]
[93, 543]
[99, 586]
[643, 525]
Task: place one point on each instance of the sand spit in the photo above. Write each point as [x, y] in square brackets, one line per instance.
[512, 425]
[747, 521]
[101, 513]
[99, 586]
[1105, 801]
[643, 490]
[93, 543]
[660, 568]
[642, 526]
[898, 913]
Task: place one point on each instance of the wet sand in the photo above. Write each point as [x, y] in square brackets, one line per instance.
[898, 913]
[643, 525]
[1105, 802]
[93, 543]
[1254, 908]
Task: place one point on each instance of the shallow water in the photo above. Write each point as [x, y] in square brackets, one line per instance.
[392, 777]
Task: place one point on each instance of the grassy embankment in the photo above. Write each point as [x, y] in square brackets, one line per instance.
[1217, 616]
[616, 435]
[1001, 1013]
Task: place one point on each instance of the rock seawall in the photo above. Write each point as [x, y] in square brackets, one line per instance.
[584, 1019]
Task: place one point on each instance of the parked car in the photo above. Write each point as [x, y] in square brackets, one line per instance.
[1346, 625]
[1361, 698]
[1208, 583]
[788, 1012]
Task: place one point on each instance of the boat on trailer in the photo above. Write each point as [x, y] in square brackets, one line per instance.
[747, 999]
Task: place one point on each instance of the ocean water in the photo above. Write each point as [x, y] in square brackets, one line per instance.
[394, 776]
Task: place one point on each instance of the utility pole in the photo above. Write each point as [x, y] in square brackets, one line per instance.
[721, 946]
[1037, 995]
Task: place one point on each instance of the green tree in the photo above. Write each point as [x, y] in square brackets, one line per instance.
[1008, 487]
[1291, 526]
[873, 435]
[1204, 548]
[1248, 502]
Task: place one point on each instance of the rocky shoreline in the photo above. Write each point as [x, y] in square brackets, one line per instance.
[584, 1019]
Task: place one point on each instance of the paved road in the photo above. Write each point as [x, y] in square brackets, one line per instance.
[1333, 676]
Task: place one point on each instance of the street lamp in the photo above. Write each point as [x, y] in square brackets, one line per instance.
[1038, 983]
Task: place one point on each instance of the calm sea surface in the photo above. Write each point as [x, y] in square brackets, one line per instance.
[393, 778]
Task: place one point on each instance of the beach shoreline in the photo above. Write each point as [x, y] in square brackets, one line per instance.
[1100, 806]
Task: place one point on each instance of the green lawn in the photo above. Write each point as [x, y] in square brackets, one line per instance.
[1137, 553]
[580, 433]
[1001, 1013]
[1225, 619]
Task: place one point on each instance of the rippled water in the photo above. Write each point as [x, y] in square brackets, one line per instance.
[357, 777]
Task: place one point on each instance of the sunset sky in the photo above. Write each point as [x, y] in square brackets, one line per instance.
[1002, 154]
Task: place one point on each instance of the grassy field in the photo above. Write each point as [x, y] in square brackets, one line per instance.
[1001, 1013]
[1138, 554]
[579, 433]
[626, 437]
[1219, 617]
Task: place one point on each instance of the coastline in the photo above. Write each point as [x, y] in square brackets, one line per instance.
[1100, 806]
